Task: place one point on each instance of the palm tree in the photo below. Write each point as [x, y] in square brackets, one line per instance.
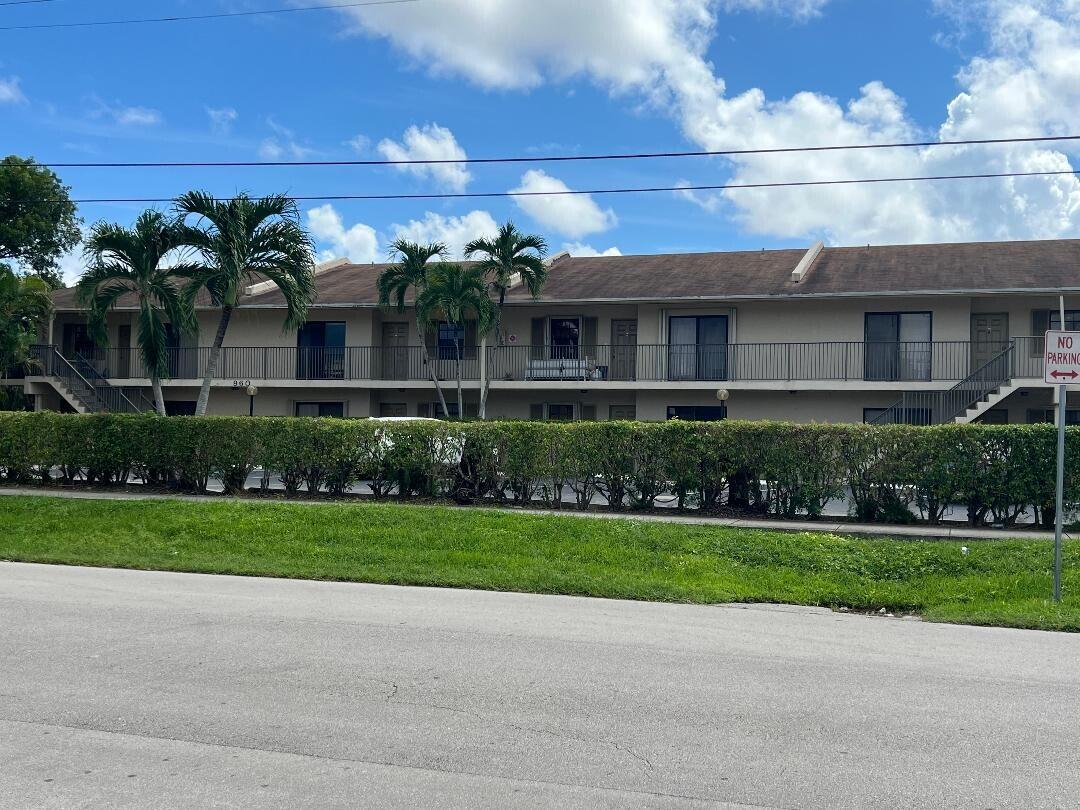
[511, 253]
[451, 293]
[243, 241]
[409, 272]
[132, 260]
[25, 305]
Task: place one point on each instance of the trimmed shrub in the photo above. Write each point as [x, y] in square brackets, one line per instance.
[889, 473]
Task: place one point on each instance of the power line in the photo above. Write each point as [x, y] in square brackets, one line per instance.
[599, 191]
[96, 23]
[23, 2]
[554, 158]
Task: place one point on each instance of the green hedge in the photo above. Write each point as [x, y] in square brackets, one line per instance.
[998, 472]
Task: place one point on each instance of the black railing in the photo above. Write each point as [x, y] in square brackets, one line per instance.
[909, 361]
[939, 407]
[83, 380]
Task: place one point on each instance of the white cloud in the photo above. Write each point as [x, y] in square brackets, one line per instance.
[430, 142]
[359, 242]
[10, 92]
[525, 44]
[283, 144]
[124, 115]
[572, 215]
[581, 249]
[359, 144]
[454, 232]
[221, 119]
[1025, 83]
[138, 116]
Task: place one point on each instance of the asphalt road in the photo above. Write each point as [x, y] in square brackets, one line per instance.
[136, 689]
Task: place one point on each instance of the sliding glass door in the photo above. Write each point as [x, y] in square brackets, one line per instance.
[697, 347]
[320, 352]
[897, 346]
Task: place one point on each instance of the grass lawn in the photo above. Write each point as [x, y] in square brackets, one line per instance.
[999, 582]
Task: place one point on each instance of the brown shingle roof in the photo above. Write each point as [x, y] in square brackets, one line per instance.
[941, 268]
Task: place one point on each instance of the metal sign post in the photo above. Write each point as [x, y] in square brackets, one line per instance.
[1061, 363]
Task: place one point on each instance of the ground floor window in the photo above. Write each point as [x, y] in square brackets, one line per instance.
[697, 413]
[336, 409]
[995, 416]
[179, 407]
[627, 413]
[555, 412]
[393, 409]
[426, 409]
[1037, 416]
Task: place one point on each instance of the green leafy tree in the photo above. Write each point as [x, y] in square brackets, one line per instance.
[409, 273]
[134, 261]
[38, 222]
[452, 293]
[243, 241]
[25, 307]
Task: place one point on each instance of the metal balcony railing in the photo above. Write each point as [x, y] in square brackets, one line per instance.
[910, 361]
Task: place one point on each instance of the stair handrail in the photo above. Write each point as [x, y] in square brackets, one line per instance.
[894, 413]
[994, 382]
[57, 356]
[104, 383]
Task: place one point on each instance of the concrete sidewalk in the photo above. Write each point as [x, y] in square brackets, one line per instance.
[919, 532]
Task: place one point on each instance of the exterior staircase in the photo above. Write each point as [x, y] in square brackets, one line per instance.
[977, 409]
[964, 402]
[82, 386]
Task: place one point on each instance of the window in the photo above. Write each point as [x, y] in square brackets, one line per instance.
[1045, 320]
[565, 338]
[897, 345]
[560, 412]
[472, 409]
[393, 409]
[1037, 416]
[336, 409]
[697, 413]
[622, 412]
[553, 411]
[451, 341]
[180, 407]
[697, 347]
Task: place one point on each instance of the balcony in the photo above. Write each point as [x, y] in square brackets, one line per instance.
[836, 361]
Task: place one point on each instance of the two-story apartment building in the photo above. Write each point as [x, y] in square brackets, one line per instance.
[824, 334]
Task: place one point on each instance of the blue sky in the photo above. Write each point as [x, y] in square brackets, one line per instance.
[562, 77]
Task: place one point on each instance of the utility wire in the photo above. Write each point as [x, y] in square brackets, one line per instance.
[598, 191]
[23, 2]
[553, 158]
[96, 23]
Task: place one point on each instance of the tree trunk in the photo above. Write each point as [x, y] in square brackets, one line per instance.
[431, 369]
[212, 361]
[159, 398]
[460, 397]
[485, 378]
[498, 316]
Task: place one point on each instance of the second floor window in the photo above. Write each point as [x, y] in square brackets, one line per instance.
[451, 341]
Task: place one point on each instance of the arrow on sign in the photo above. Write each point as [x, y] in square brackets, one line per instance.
[1057, 375]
